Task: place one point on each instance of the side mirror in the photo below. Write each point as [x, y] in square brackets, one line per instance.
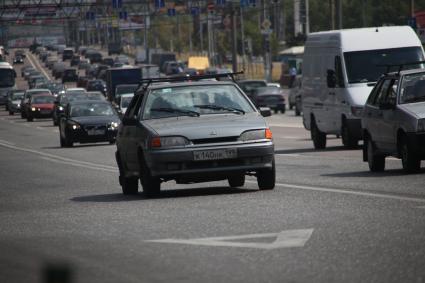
[127, 121]
[265, 111]
[331, 78]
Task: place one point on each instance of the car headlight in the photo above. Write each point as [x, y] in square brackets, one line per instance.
[256, 135]
[33, 109]
[74, 125]
[114, 125]
[421, 125]
[166, 142]
[60, 108]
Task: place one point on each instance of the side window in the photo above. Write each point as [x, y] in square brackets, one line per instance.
[132, 107]
[383, 91]
[391, 95]
[338, 72]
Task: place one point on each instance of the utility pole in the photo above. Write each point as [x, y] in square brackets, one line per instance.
[332, 12]
[338, 9]
[234, 41]
[242, 37]
[364, 13]
[412, 8]
[146, 22]
[307, 17]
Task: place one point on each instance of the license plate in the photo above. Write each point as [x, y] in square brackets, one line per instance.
[214, 154]
[95, 132]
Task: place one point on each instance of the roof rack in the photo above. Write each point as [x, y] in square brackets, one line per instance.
[147, 82]
[400, 66]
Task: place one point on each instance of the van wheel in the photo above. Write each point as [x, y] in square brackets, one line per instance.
[376, 162]
[237, 180]
[266, 178]
[318, 137]
[347, 138]
[411, 163]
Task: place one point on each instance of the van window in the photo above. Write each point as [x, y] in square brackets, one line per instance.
[366, 66]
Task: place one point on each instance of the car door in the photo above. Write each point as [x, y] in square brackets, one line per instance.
[375, 114]
[387, 118]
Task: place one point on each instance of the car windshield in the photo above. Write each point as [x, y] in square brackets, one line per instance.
[125, 101]
[364, 66]
[248, 86]
[48, 99]
[92, 109]
[194, 101]
[7, 77]
[17, 96]
[412, 88]
[125, 89]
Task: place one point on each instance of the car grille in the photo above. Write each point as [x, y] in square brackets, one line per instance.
[215, 140]
[94, 127]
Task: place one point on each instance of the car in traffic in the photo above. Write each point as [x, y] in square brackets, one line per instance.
[14, 101]
[27, 95]
[191, 132]
[69, 75]
[123, 102]
[75, 60]
[124, 89]
[18, 59]
[393, 121]
[37, 79]
[270, 96]
[84, 64]
[294, 96]
[40, 106]
[96, 85]
[249, 86]
[67, 54]
[87, 122]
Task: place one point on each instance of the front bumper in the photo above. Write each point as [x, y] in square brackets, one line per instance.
[82, 136]
[180, 163]
[41, 113]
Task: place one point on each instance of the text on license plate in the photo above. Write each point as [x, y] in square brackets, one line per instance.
[214, 154]
[95, 132]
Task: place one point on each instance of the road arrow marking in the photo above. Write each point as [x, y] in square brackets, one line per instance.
[284, 239]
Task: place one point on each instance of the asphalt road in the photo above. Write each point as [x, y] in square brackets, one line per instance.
[340, 223]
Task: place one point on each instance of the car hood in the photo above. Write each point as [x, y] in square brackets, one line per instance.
[206, 126]
[94, 120]
[417, 109]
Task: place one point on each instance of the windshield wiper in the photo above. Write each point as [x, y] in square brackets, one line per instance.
[217, 107]
[174, 110]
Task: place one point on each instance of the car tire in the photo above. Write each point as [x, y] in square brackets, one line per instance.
[129, 185]
[291, 106]
[11, 113]
[282, 110]
[410, 161]
[237, 180]
[348, 140]
[112, 142]
[375, 161]
[55, 122]
[65, 142]
[297, 111]
[318, 137]
[30, 118]
[151, 185]
[266, 178]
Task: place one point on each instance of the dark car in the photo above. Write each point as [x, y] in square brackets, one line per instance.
[114, 48]
[249, 86]
[37, 79]
[55, 88]
[18, 59]
[20, 52]
[40, 106]
[28, 94]
[65, 98]
[88, 121]
[270, 96]
[190, 132]
[108, 61]
[94, 57]
[67, 54]
[75, 60]
[69, 75]
[96, 85]
[14, 98]
[25, 70]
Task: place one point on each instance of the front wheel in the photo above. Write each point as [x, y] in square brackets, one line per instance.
[375, 161]
[129, 185]
[11, 113]
[151, 185]
[410, 162]
[266, 178]
[318, 137]
[30, 119]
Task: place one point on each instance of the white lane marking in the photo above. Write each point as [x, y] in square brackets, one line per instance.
[78, 164]
[60, 158]
[284, 239]
[348, 192]
[421, 207]
[7, 142]
[30, 58]
[40, 128]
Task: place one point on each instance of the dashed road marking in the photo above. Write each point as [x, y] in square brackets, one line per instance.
[284, 239]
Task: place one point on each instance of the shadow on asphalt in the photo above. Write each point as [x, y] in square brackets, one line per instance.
[386, 173]
[180, 193]
[306, 150]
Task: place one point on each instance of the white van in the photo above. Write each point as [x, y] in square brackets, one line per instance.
[339, 70]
